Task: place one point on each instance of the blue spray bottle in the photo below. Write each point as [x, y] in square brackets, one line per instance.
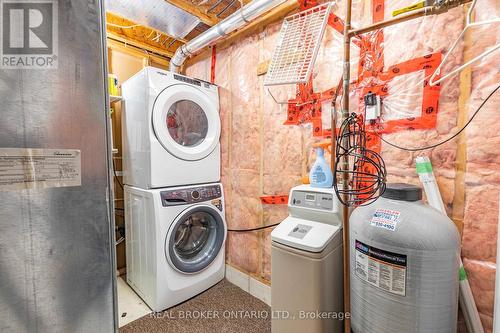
[321, 174]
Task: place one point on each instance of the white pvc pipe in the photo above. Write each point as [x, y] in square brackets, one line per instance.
[233, 22]
[466, 298]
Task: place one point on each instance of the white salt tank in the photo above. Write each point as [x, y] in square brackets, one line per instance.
[404, 265]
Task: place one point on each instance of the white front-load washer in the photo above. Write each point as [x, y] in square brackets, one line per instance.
[170, 130]
[174, 242]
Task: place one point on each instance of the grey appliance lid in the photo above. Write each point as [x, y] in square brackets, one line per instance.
[403, 192]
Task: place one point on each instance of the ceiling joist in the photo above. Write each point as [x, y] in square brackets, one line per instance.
[200, 12]
[138, 44]
[129, 49]
[131, 30]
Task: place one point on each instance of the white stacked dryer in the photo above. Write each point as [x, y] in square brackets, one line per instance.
[174, 203]
[170, 130]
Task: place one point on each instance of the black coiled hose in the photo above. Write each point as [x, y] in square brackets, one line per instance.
[367, 174]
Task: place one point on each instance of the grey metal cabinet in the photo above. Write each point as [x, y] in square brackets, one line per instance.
[57, 261]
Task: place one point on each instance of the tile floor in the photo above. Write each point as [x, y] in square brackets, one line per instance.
[130, 306]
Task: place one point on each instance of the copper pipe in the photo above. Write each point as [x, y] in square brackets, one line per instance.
[345, 168]
[406, 17]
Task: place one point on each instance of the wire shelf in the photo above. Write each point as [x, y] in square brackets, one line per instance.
[297, 47]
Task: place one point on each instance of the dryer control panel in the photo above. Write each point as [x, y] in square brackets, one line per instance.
[190, 195]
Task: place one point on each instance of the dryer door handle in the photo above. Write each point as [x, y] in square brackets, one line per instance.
[173, 202]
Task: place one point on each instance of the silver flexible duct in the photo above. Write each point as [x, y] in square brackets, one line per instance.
[235, 21]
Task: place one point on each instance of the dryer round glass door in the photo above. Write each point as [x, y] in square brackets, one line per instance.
[186, 122]
[195, 239]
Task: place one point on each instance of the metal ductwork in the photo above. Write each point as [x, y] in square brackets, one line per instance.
[233, 22]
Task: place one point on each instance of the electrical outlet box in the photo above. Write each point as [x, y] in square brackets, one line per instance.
[372, 106]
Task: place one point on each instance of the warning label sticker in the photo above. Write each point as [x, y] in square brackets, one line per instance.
[25, 168]
[385, 218]
[383, 269]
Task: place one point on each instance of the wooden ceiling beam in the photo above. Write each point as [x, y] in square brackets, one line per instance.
[129, 49]
[122, 39]
[116, 21]
[199, 12]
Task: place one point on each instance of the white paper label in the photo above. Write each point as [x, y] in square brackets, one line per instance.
[385, 218]
[26, 168]
[382, 269]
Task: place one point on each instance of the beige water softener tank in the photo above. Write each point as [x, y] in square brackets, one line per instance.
[306, 259]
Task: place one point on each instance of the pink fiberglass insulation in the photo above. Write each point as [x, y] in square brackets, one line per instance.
[483, 166]
[262, 156]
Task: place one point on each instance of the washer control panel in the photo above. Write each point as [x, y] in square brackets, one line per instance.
[190, 195]
[309, 199]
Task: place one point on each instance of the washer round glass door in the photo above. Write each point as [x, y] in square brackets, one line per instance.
[195, 239]
[186, 122]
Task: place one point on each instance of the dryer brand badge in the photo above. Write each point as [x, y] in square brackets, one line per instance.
[29, 34]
